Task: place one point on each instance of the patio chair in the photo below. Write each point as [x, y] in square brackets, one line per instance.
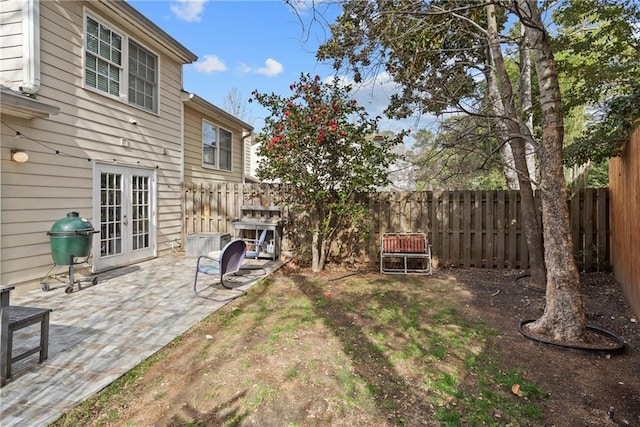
[230, 260]
[255, 246]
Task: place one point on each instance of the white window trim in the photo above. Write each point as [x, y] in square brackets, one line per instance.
[124, 81]
[217, 156]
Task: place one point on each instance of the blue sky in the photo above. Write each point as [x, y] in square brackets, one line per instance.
[254, 45]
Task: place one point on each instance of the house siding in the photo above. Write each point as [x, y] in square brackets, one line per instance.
[194, 171]
[58, 177]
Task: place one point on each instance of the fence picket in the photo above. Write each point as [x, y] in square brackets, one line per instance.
[446, 218]
[466, 225]
[602, 228]
[478, 229]
[587, 214]
[489, 235]
[513, 228]
[574, 213]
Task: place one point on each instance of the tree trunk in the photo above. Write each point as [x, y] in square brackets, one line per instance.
[526, 111]
[320, 239]
[324, 251]
[315, 252]
[532, 228]
[563, 317]
[506, 153]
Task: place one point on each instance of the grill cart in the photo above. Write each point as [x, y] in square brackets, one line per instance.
[70, 239]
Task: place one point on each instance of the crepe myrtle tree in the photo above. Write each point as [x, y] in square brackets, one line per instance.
[323, 148]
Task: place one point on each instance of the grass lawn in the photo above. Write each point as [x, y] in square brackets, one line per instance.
[340, 348]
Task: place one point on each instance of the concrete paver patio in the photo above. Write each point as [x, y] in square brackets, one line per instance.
[100, 332]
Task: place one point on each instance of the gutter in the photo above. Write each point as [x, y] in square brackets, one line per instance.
[30, 47]
[205, 106]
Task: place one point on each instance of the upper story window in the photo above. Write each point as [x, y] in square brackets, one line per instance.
[142, 77]
[103, 61]
[118, 66]
[216, 146]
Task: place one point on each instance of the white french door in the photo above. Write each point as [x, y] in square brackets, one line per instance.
[124, 207]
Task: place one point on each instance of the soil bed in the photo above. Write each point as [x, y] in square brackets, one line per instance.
[353, 347]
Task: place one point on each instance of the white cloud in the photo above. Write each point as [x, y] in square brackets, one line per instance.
[188, 10]
[210, 64]
[272, 68]
[244, 68]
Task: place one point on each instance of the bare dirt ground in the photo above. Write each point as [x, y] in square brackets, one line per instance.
[584, 387]
[312, 350]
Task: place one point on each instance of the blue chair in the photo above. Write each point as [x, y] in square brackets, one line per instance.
[230, 260]
[256, 245]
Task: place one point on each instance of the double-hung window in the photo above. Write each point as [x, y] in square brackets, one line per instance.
[103, 60]
[142, 77]
[120, 67]
[216, 146]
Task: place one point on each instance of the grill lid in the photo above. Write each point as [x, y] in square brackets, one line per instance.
[72, 225]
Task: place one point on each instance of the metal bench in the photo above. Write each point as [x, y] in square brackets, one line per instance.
[405, 253]
[13, 318]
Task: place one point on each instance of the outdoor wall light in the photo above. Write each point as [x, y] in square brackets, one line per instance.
[19, 156]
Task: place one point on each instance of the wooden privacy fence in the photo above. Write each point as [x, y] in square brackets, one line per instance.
[624, 184]
[211, 208]
[484, 229]
[481, 229]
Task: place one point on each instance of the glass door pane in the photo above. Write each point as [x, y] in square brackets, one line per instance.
[110, 214]
[141, 212]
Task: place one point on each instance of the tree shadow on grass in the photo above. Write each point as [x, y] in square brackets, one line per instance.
[398, 401]
[227, 414]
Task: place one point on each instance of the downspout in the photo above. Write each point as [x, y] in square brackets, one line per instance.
[30, 47]
[244, 155]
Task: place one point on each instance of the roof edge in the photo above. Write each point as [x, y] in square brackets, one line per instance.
[123, 8]
[203, 105]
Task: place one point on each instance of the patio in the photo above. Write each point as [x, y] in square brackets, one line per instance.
[100, 332]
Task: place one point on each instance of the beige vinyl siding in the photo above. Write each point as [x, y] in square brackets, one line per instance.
[89, 126]
[194, 171]
[10, 42]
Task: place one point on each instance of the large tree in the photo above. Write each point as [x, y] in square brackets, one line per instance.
[439, 52]
[563, 316]
[517, 131]
[325, 149]
[436, 50]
